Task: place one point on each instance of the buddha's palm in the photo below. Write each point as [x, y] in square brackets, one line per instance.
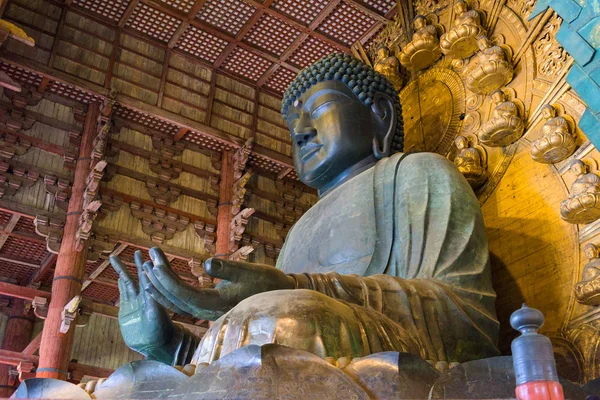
[145, 324]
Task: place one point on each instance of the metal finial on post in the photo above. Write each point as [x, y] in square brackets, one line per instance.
[533, 358]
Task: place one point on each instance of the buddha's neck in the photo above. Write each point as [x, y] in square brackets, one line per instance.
[347, 174]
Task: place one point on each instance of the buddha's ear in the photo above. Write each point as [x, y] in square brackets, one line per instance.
[384, 126]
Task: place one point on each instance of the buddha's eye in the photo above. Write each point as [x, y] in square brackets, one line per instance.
[321, 108]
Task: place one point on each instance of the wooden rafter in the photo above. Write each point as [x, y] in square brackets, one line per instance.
[100, 269]
[41, 272]
[10, 226]
[33, 346]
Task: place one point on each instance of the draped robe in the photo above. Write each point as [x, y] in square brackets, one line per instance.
[396, 258]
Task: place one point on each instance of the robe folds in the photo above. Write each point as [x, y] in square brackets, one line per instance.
[417, 280]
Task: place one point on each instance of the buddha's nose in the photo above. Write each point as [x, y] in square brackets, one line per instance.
[303, 136]
[303, 132]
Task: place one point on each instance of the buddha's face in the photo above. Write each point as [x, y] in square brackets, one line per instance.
[460, 7]
[419, 23]
[461, 143]
[331, 131]
[590, 252]
[383, 52]
[548, 112]
[578, 168]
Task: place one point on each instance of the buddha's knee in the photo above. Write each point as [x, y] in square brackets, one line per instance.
[302, 319]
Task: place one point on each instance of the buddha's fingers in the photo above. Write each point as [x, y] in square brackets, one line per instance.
[201, 300]
[158, 287]
[233, 271]
[128, 285]
[123, 292]
[161, 299]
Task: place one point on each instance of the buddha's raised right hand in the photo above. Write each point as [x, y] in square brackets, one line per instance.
[239, 280]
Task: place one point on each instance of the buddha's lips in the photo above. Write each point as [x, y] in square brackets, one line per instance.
[308, 150]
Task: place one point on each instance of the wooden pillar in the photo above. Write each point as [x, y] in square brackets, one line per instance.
[16, 337]
[55, 348]
[224, 210]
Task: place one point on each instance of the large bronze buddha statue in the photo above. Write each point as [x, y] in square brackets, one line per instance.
[393, 256]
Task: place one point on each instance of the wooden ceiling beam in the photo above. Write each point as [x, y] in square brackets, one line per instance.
[100, 269]
[41, 272]
[33, 346]
[367, 10]
[198, 4]
[128, 11]
[10, 226]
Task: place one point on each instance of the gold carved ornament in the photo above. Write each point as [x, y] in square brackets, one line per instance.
[506, 124]
[491, 69]
[558, 138]
[583, 204]
[461, 41]
[587, 291]
[424, 48]
[388, 65]
[470, 162]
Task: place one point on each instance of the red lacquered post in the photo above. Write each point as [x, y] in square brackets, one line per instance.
[533, 359]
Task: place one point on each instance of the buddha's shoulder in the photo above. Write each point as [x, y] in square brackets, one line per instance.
[412, 171]
[425, 163]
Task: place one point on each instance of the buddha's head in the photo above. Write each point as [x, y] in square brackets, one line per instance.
[578, 167]
[483, 42]
[548, 112]
[419, 22]
[591, 251]
[460, 7]
[383, 52]
[340, 112]
[498, 96]
[461, 143]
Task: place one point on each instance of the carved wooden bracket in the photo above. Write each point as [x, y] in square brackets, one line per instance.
[100, 247]
[163, 193]
[10, 182]
[159, 224]
[289, 211]
[272, 251]
[110, 204]
[164, 168]
[86, 219]
[239, 193]
[197, 268]
[70, 159]
[215, 160]
[40, 307]
[52, 230]
[206, 232]
[238, 226]
[60, 189]
[11, 145]
[26, 370]
[241, 254]
[26, 97]
[69, 313]
[15, 120]
[212, 207]
[240, 158]
[167, 146]
[214, 183]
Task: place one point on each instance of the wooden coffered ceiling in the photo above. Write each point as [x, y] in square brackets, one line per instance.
[175, 63]
[264, 42]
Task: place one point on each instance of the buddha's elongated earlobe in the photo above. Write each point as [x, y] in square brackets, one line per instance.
[384, 127]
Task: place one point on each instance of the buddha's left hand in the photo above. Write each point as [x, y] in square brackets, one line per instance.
[239, 280]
